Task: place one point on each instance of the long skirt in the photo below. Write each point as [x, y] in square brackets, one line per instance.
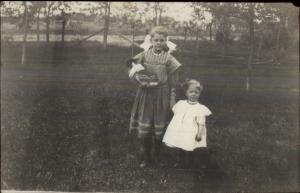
[150, 110]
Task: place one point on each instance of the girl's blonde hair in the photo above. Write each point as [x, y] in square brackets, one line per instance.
[159, 30]
[163, 31]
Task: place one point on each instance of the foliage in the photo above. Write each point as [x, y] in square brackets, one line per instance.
[275, 24]
[132, 15]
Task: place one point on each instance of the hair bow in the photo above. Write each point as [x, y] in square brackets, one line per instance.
[147, 44]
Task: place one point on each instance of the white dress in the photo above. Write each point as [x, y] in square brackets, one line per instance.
[183, 128]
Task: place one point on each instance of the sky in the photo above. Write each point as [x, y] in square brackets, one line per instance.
[180, 11]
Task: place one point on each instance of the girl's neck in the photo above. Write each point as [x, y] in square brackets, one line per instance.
[191, 102]
[155, 52]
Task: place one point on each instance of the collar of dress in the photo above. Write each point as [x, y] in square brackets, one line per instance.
[156, 53]
[191, 103]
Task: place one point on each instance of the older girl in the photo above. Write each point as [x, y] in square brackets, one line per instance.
[153, 102]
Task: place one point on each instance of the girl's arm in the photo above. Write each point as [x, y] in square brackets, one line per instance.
[173, 79]
[173, 76]
[173, 67]
[200, 130]
[173, 82]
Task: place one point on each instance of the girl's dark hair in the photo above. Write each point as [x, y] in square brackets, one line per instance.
[185, 85]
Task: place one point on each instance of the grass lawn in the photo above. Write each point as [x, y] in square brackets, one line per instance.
[65, 116]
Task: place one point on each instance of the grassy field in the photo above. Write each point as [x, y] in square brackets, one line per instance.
[65, 115]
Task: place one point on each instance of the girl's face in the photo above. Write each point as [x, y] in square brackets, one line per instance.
[159, 42]
[192, 93]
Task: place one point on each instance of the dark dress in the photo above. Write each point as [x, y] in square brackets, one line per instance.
[151, 105]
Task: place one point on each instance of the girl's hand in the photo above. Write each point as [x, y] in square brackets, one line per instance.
[200, 130]
[172, 101]
[144, 84]
[172, 98]
[198, 137]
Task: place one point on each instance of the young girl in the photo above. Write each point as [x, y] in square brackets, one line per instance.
[187, 130]
[152, 103]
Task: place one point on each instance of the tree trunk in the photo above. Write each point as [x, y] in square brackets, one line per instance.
[210, 31]
[38, 27]
[260, 44]
[63, 31]
[47, 28]
[64, 21]
[224, 36]
[250, 59]
[23, 61]
[223, 44]
[132, 44]
[159, 18]
[197, 39]
[277, 48]
[185, 35]
[106, 24]
[156, 13]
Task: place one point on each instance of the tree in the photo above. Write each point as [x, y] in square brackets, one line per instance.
[209, 26]
[198, 17]
[226, 14]
[10, 8]
[158, 9]
[282, 17]
[102, 9]
[251, 51]
[24, 11]
[64, 7]
[106, 6]
[221, 14]
[186, 28]
[253, 13]
[37, 8]
[132, 16]
[25, 26]
[49, 7]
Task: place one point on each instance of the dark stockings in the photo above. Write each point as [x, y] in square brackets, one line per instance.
[185, 158]
[148, 143]
[157, 151]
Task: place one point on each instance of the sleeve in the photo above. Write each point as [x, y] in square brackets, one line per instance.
[139, 57]
[176, 107]
[173, 64]
[202, 113]
[206, 111]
